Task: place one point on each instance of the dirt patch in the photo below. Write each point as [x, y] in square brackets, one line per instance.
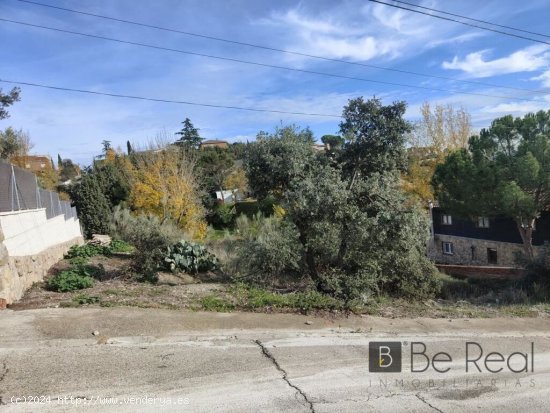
[116, 286]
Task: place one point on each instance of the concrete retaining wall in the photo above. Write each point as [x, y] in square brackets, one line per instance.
[29, 232]
[29, 245]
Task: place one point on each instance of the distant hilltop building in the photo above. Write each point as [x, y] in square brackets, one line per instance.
[214, 144]
[33, 163]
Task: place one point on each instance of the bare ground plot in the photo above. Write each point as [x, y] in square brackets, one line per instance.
[117, 287]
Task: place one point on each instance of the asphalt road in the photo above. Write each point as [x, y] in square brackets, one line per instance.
[157, 360]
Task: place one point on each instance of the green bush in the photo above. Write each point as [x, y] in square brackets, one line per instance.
[86, 251]
[359, 286]
[92, 205]
[189, 257]
[537, 280]
[248, 208]
[70, 280]
[258, 298]
[118, 245]
[86, 299]
[313, 300]
[268, 248]
[223, 216]
[214, 303]
[150, 238]
[94, 271]
[77, 261]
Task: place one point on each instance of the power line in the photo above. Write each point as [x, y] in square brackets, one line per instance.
[460, 22]
[181, 102]
[383, 82]
[467, 18]
[219, 39]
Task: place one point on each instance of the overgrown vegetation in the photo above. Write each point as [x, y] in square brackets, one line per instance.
[86, 251]
[346, 222]
[189, 257]
[70, 280]
[244, 297]
[337, 229]
[91, 250]
[150, 237]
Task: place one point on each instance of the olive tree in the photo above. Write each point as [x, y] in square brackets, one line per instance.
[356, 230]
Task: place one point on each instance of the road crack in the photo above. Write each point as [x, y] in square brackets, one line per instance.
[299, 391]
[423, 400]
[3, 375]
[5, 371]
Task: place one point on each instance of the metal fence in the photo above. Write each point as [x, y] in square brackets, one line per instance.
[19, 191]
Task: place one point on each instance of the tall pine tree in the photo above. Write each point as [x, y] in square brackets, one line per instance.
[189, 135]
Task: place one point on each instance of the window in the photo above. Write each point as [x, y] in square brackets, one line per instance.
[482, 222]
[448, 248]
[447, 220]
[492, 257]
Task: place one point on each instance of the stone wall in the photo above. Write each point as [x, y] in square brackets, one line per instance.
[462, 251]
[17, 274]
[29, 245]
[482, 271]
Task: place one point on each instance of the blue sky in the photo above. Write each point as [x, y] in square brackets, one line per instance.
[74, 125]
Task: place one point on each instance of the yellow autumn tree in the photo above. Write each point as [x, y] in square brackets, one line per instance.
[441, 130]
[164, 185]
[236, 181]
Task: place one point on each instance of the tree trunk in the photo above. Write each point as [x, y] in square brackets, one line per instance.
[343, 249]
[310, 258]
[526, 234]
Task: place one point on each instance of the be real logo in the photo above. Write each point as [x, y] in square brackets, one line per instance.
[387, 356]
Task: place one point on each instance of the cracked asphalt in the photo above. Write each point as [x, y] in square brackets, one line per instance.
[162, 360]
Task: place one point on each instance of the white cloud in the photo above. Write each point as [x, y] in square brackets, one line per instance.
[348, 33]
[396, 20]
[461, 38]
[517, 108]
[363, 48]
[526, 60]
[544, 78]
[313, 25]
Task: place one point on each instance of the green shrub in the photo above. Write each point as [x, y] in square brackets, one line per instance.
[268, 248]
[359, 286]
[86, 299]
[118, 245]
[223, 216]
[214, 303]
[77, 261]
[248, 208]
[189, 257]
[70, 280]
[257, 298]
[86, 251]
[94, 271]
[92, 204]
[314, 300]
[150, 238]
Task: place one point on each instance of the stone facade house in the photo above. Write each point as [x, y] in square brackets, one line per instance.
[214, 144]
[481, 240]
